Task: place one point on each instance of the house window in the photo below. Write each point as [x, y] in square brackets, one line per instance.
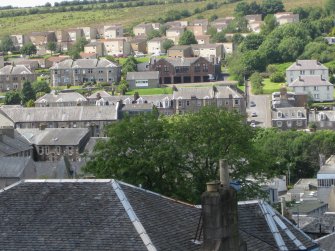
[40, 150]
[187, 102]
[198, 102]
[47, 150]
[279, 123]
[56, 72]
[101, 71]
[316, 96]
[76, 71]
[166, 69]
[180, 103]
[15, 78]
[205, 67]
[312, 72]
[58, 150]
[289, 123]
[302, 72]
[316, 88]
[197, 68]
[280, 114]
[70, 150]
[90, 70]
[299, 114]
[237, 102]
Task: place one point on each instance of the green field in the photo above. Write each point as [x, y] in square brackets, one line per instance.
[151, 91]
[125, 16]
[270, 87]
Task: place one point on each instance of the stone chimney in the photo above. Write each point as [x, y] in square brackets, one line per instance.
[219, 212]
[283, 93]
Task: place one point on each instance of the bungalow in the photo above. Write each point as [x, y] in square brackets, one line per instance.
[145, 79]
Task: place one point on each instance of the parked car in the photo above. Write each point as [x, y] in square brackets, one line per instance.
[252, 104]
[252, 124]
[253, 114]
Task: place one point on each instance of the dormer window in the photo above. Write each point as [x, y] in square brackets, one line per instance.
[280, 114]
[299, 114]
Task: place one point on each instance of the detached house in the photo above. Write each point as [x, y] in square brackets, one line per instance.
[316, 87]
[79, 71]
[185, 70]
[13, 77]
[306, 67]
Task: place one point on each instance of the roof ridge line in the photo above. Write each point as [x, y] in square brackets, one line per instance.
[10, 186]
[273, 228]
[157, 194]
[285, 228]
[133, 217]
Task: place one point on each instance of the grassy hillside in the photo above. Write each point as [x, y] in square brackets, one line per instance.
[126, 16]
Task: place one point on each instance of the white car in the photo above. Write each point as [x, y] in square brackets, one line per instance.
[253, 125]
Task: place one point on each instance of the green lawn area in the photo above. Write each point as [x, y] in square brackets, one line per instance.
[270, 87]
[241, 87]
[151, 91]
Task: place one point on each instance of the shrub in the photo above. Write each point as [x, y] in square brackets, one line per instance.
[277, 77]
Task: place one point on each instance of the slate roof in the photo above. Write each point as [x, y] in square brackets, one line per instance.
[112, 215]
[103, 94]
[197, 92]
[310, 80]
[180, 47]
[327, 222]
[13, 167]
[263, 228]
[93, 215]
[10, 146]
[181, 61]
[14, 70]
[84, 64]
[54, 136]
[289, 113]
[69, 113]
[225, 91]
[327, 243]
[61, 97]
[5, 122]
[306, 65]
[143, 75]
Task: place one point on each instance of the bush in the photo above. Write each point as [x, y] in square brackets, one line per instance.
[277, 77]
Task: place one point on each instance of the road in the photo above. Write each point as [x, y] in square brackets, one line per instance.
[262, 109]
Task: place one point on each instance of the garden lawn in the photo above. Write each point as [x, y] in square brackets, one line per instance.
[151, 91]
[270, 87]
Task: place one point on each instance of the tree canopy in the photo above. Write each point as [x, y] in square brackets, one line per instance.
[27, 92]
[28, 49]
[7, 44]
[176, 155]
[187, 38]
[12, 98]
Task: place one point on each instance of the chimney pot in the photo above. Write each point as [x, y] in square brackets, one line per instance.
[213, 186]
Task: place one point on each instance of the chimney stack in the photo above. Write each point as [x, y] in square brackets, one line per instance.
[219, 212]
[283, 206]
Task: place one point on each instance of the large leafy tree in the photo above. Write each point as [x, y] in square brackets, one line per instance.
[28, 49]
[251, 42]
[129, 65]
[176, 155]
[167, 44]
[272, 6]
[12, 98]
[78, 47]
[41, 86]
[187, 38]
[27, 92]
[7, 44]
[52, 46]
